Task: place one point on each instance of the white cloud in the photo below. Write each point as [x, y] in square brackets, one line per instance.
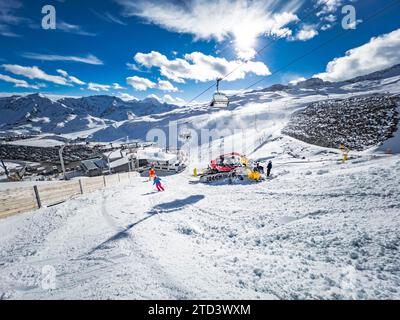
[8, 11]
[34, 73]
[63, 72]
[98, 87]
[73, 28]
[140, 84]
[154, 96]
[76, 80]
[108, 17]
[242, 21]
[88, 59]
[165, 85]
[329, 11]
[69, 78]
[132, 66]
[297, 80]
[126, 97]
[9, 17]
[167, 99]
[7, 32]
[200, 67]
[307, 32]
[326, 26]
[171, 100]
[379, 53]
[19, 83]
[330, 18]
[117, 86]
[328, 6]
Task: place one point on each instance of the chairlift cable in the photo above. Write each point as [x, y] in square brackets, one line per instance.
[338, 35]
[272, 41]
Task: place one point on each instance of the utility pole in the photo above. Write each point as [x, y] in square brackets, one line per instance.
[60, 153]
[108, 162]
[132, 163]
[218, 80]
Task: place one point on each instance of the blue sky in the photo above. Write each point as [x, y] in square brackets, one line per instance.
[174, 49]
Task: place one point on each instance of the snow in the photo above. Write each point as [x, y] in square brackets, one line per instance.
[317, 229]
[119, 162]
[113, 155]
[155, 154]
[40, 141]
[36, 113]
[10, 165]
[393, 144]
[296, 236]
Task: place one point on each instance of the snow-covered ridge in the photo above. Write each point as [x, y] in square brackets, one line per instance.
[316, 83]
[38, 113]
[359, 123]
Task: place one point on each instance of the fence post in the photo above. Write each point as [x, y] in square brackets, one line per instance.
[80, 186]
[119, 178]
[39, 203]
[104, 181]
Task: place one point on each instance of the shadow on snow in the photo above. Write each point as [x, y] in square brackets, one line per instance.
[167, 207]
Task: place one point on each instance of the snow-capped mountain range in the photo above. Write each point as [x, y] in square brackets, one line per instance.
[109, 118]
[38, 113]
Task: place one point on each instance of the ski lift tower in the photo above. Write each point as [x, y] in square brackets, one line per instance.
[185, 136]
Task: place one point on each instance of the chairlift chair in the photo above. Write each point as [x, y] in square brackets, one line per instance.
[219, 99]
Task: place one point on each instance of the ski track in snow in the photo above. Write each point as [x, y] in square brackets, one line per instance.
[322, 230]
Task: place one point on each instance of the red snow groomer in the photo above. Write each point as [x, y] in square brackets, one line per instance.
[226, 166]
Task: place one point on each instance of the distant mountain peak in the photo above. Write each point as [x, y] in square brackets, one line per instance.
[392, 71]
[312, 83]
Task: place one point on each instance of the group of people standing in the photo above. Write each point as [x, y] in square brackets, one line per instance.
[259, 168]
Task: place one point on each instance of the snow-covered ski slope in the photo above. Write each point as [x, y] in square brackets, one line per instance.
[251, 120]
[317, 229]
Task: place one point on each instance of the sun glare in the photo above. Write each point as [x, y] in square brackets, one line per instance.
[245, 41]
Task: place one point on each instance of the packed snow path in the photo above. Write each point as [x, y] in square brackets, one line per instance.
[319, 229]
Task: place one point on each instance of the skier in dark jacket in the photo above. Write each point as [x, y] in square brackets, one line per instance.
[269, 168]
[259, 168]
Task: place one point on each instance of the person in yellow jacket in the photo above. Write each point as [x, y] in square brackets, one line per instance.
[254, 175]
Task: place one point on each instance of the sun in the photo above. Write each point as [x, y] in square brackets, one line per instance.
[245, 42]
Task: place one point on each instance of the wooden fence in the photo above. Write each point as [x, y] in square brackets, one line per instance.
[18, 200]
